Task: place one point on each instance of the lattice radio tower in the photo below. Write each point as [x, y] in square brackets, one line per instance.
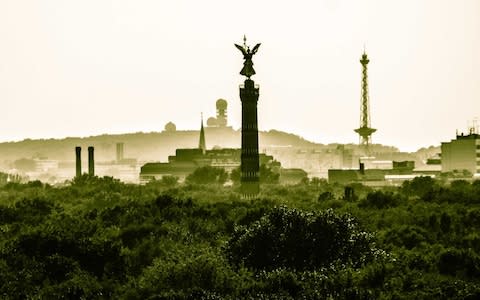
[365, 131]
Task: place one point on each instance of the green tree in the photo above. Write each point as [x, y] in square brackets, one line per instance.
[380, 199]
[235, 175]
[423, 187]
[301, 241]
[207, 175]
[267, 175]
[169, 180]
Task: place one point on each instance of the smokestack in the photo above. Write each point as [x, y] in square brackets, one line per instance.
[78, 161]
[362, 168]
[91, 162]
[119, 152]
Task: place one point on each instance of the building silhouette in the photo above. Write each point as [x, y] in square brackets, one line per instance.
[462, 153]
[379, 173]
[365, 131]
[186, 160]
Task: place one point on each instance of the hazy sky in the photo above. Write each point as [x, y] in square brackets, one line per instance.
[79, 68]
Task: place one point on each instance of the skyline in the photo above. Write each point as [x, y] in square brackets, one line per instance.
[116, 66]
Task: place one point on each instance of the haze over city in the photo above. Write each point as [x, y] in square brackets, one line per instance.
[92, 67]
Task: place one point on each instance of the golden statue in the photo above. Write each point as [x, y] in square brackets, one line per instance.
[247, 69]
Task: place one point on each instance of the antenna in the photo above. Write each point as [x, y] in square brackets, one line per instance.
[471, 127]
[475, 125]
[365, 130]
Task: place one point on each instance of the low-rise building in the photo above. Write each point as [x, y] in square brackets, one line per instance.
[462, 153]
[187, 160]
[396, 174]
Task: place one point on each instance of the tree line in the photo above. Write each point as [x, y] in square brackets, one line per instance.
[99, 238]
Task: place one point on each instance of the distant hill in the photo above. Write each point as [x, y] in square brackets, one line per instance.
[152, 146]
[157, 146]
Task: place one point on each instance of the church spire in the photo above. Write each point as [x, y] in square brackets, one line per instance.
[201, 142]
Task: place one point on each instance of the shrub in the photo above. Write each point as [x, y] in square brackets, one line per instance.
[298, 240]
[423, 187]
[187, 272]
[207, 175]
[379, 199]
[408, 236]
[459, 262]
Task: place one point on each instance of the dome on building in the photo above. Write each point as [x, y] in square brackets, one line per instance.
[170, 127]
[212, 122]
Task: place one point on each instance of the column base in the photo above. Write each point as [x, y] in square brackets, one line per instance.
[250, 189]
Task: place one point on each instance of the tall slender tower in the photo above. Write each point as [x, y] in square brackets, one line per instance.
[201, 143]
[119, 152]
[365, 131]
[249, 93]
[78, 161]
[91, 161]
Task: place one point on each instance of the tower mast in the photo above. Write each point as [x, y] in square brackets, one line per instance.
[201, 142]
[365, 131]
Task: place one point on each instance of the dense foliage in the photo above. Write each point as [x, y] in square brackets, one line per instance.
[207, 174]
[98, 238]
[288, 238]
